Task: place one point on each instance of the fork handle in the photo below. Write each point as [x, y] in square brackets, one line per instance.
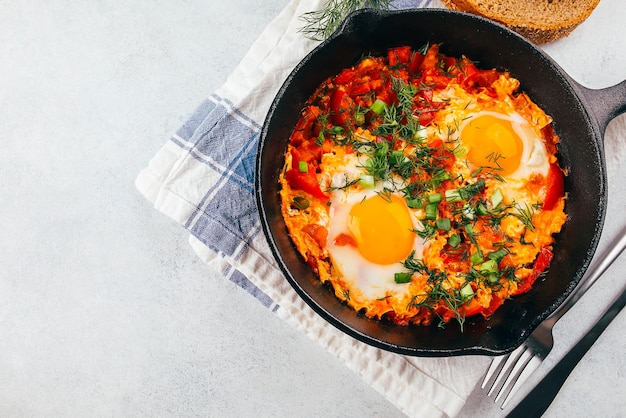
[540, 398]
[595, 270]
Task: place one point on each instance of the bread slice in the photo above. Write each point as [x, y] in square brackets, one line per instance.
[540, 21]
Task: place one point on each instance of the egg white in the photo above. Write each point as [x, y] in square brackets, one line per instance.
[534, 157]
[371, 280]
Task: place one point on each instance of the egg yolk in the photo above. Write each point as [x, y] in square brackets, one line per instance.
[382, 228]
[492, 143]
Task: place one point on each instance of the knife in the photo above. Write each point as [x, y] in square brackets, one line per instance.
[540, 398]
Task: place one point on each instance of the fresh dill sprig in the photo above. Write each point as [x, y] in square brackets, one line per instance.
[391, 122]
[377, 164]
[385, 194]
[437, 293]
[415, 264]
[525, 215]
[320, 24]
[347, 185]
[405, 93]
[428, 230]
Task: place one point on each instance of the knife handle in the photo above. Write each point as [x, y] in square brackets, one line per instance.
[540, 398]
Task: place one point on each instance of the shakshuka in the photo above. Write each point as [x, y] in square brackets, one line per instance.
[423, 188]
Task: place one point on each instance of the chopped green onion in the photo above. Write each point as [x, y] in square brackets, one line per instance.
[453, 195]
[454, 240]
[468, 211]
[397, 158]
[434, 198]
[471, 190]
[466, 292]
[397, 155]
[336, 130]
[440, 175]
[476, 258]
[420, 134]
[301, 202]
[443, 224]
[320, 139]
[493, 278]
[496, 198]
[415, 203]
[303, 166]
[481, 209]
[378, 106]
[498, 254]
[469, 228]
[366, 181]
[381, 149]
[402, 277]
[489, 266]
[431, 212]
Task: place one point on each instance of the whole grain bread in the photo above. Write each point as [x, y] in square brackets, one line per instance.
[540, 21]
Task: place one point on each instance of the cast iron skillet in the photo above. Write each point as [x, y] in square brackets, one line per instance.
[580, 118]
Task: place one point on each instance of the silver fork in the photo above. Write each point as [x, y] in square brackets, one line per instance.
[507, 373]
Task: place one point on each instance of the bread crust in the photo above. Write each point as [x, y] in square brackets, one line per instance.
[540, 21]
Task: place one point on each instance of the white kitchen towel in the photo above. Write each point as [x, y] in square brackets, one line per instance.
[203, 179]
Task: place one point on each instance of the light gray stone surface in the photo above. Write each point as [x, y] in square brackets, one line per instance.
[104, 308]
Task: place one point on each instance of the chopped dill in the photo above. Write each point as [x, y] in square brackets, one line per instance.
[525, 215]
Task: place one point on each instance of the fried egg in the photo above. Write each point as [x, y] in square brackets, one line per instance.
[503, 143]
[370, 232]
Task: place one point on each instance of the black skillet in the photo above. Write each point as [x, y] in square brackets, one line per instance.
[580, 118]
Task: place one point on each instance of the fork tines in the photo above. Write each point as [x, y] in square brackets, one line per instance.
[507, 373]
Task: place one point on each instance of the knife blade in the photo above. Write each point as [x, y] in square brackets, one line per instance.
[540, 398]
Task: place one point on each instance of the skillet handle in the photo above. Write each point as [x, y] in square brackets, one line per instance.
[605, 104]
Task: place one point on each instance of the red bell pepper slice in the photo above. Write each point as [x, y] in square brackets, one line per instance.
[450, 65]
[344, 77]
[416, 62]
[399, 56]
[496, 302]
[307, 182]
[387, 96]
[541, 264]
[443, 156]
[471, 75]
[431, 58]
[360, 87]
[488, 77]
[426, 116]
[472, 308]
[308, 152]
[554, 187]
[345, 239]
[341, 106]
[304, 128]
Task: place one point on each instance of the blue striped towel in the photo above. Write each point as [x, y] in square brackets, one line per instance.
[203, 179]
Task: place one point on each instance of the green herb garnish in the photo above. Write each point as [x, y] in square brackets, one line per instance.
[320, 24]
